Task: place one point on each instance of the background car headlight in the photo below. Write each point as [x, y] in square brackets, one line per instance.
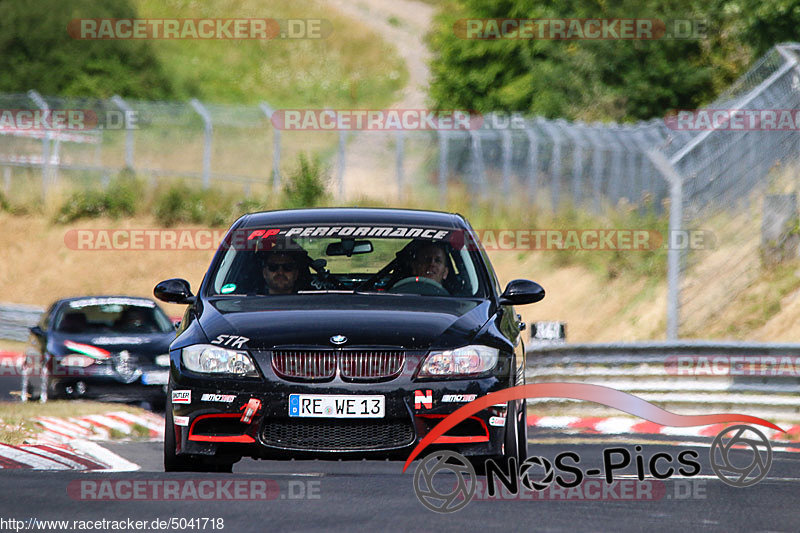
[210, 359]
[466, 361]
[76, 360]
[162, 360]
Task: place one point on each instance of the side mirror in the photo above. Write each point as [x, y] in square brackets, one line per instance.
[521, 292]
[36, 330]
[174, 291]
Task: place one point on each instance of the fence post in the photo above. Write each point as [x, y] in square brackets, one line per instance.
[399, 164]
[276, 148]
[39, 101]
[573, 132]
[341, 162]
[443, 145]
[598, 164]
[507, 153]
[478, 170]
[209, 130]
[123, 105]
[673, 253]
[533, 162]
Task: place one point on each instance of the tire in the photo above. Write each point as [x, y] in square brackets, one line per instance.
[522, 434]
[512, 447]
[172, 461]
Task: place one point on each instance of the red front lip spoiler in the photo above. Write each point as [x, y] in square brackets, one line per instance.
[241, 439]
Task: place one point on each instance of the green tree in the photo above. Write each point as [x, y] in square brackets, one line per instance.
[621, 80]
[36, 52]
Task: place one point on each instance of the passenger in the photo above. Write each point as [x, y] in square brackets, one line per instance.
[430, 261]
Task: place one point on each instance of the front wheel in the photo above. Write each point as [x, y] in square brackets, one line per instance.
[172, 461]
[516, 441]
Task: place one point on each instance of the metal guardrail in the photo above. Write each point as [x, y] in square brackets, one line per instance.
[688, 377]
[15, 320]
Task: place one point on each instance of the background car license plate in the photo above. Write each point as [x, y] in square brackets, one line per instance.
[157, 377]
[336, 406]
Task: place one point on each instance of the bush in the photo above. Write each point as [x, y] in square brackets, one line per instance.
[4, 205]
[184, 204]
[117, 200]
[305, 187]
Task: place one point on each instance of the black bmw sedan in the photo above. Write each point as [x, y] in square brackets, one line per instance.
[110, 348]
[343, 333]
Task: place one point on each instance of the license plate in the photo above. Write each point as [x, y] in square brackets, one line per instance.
[157, 377]
[336, 406]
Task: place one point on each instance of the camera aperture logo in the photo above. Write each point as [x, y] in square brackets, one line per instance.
[727, 468]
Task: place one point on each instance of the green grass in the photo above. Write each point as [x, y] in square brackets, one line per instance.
[351, 66]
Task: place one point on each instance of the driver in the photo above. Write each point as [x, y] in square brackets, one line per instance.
[430, 261]
[281, 272]
[284, 266]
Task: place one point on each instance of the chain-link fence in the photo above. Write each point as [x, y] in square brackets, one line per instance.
[740, 184]
[726, 178]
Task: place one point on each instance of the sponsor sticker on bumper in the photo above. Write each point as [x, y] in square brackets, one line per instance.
[497, 421]
[224, 398]
[181, 396]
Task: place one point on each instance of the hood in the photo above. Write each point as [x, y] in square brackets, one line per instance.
[411, 322]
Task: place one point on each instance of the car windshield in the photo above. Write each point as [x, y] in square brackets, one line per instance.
[113, 315]
[290, 261]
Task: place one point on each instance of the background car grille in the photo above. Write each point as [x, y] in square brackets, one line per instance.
[304, 364]
[342, 435]
[353, 364]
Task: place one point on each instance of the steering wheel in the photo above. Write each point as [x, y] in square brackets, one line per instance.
[420, 285]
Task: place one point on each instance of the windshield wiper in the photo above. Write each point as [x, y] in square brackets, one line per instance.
[327, 291]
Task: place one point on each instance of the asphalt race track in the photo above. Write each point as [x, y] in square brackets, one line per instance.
[375, 496]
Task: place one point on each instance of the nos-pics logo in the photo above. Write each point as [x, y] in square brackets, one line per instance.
[443, 495]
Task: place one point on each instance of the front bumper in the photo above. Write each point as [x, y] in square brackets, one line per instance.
[210, 417]
[102, 382]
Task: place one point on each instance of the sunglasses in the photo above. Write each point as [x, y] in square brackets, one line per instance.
[286, 267]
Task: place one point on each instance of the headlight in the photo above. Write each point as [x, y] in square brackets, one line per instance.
[466, 361]
[210, 359]
[162, 360]
[81, 361]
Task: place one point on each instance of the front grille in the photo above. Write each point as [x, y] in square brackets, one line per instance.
[338, 435]
[353, 364]
[362, 365]
[304, 364]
